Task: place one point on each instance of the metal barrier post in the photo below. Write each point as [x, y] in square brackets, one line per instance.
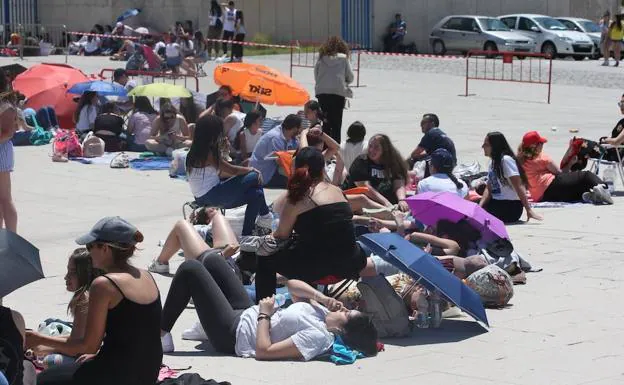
[359, 68]
[20, 33]
[291, 60]
[467, 64]
[550, 80]
[66, 43]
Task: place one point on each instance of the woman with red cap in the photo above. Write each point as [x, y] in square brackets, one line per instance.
[548, 183]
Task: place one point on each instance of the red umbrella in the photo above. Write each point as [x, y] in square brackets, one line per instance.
[47, 85]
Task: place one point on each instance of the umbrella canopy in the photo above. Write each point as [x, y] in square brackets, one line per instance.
[19, 262]
[63, 103]
[260, 84]
[427, 270]
[161, 90]
[99, 86]
[42, 77]
[128, 13]
[13, 69]
[430, 207]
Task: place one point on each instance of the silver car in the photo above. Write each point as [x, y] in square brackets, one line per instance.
[588, 27]
[462, 33]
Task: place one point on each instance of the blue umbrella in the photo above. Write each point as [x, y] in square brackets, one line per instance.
[128, 13]
[99, 86]
[426, 269]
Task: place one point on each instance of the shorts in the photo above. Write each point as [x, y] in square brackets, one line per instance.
[174, 61]
[210, 253]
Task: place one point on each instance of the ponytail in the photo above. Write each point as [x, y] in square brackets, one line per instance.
[299, 184]
[454, 179]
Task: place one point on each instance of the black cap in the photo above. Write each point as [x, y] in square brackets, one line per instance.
[110, 229]
[119, 72]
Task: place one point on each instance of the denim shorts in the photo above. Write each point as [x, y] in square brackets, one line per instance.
[174, 61]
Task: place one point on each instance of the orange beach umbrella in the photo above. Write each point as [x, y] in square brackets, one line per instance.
[262, 84]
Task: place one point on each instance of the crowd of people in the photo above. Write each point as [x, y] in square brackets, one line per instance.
[335, 190]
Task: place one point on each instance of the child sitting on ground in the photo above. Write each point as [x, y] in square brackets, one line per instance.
[248, 136]
[355, 145]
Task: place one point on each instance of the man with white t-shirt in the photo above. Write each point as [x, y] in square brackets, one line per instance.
[229, 24]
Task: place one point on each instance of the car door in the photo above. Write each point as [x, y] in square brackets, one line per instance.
[510, 21]
[570, 25]
[450, 32]
[471, 34]
[529, 28]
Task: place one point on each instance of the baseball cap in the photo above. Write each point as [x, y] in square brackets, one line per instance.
[110, 229]
[442, 159]
[532, 138]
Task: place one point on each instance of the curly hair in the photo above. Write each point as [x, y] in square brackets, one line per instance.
[333, 46]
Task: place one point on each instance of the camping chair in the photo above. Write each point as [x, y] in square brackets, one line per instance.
[325, 282]
[596, 163]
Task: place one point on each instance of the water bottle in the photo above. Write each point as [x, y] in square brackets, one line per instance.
[280, 300]
[422, 309]
[608, 177]
[435, 309]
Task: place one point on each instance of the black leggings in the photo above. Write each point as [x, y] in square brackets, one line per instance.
[227, 35]
[237, 49]
[570, 186]
[219, 298]
[506, 210]
[333, 107]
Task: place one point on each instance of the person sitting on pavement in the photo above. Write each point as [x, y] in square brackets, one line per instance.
[334, 166]
[548, 183]
[121, 344]
[279, 138]
[383, 171]
[80, 274]
[249, 136]
[13, 367]
[433, 139]
[140, 124]
[232, 120]
[505, 193]
[302, 331]
[109, 127]
[169, 131]
[86, 112]
[442, 178]
[224, 92]
[355, 145]
[396, 33]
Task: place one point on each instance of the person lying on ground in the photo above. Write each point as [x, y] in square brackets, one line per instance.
[548, 183]
[383, 171]
[169, 131]
[303, 331]
[123, 322]
[80, 274]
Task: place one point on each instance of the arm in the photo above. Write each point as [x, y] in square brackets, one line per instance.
[418, 153]
[487, 194]
[553, 168]
[265, 349]
[339, 170]
[228, 170]
[243, 144]
[373, 193]
[155, 133]
[516, 183]
[131, 125]
[449, 246]
[8, 125]
[615, 141]
[317, 67]
[80, 322]
[348, 72]
[399, 190]
[287, 221]
[186, 133]
[18, 320]
[101, 293]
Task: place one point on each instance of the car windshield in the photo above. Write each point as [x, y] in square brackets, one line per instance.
[589, 26]
[491, 24]
[551, 24]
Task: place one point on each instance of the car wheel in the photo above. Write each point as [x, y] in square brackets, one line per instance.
[579, 58]
[549, 49]
[490, 47]
[438, 47]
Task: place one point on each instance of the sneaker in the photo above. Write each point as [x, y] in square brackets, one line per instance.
[602, 195]
[588, 197]
[157, 267]
[196, 333]
[265, 221]
[605, 63]
[167, 343]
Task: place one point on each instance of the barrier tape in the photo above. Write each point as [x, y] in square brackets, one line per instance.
[105, 36]
[253, 44]
[411, 55]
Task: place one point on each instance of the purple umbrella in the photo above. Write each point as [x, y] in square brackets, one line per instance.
[431, 207]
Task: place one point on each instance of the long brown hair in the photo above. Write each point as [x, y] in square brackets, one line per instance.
[333, 46]
[85, 274]
[395, 166]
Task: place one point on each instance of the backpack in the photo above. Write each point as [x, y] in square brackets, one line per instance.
[66, 143]
[386, 307]
[493, 285]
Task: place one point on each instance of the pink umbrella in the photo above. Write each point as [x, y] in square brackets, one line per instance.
[431, 207]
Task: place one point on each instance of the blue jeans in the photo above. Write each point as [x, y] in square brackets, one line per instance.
[235, 192]
[46, 117]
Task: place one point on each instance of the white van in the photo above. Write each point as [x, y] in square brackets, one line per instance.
[552, 37]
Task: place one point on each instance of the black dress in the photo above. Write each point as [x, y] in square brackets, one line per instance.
[131, 352]
[11, 348]
[324, 245]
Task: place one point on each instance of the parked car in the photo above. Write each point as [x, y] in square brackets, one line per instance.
[587, 27]
[462, 33]
[551, 36]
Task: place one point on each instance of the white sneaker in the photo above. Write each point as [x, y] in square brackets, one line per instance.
[157, 267]
[602, 195]
[265, 221]
[196, 333]
[167, 343]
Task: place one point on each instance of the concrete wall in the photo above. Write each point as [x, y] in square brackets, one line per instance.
[422, 15]
[282, 20]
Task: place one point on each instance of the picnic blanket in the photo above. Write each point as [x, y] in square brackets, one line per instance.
[555, 205]
[101, 160]
[149, 164]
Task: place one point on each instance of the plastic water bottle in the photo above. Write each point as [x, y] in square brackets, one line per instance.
[435, 309]
[280, 300]
[608, 177]
[422, 309]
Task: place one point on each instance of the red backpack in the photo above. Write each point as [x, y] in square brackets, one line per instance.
[66, 143]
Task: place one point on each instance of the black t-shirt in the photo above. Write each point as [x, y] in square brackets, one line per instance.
[617, 129]
[109, 122]
[365, 170]
[436, 138]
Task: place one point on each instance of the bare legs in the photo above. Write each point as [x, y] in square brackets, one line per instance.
[183, 236]
[8, 213]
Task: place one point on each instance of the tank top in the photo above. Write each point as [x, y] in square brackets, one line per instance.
[617, 34]
[11, 348]
[251, 140]
[203, 180]
[229, 24]
[131, 351]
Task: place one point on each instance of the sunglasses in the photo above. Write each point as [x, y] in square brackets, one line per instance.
[92, 245]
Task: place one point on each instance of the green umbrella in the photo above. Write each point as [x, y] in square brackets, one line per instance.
[161, 90]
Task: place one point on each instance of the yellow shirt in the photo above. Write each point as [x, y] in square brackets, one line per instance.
[616, 34]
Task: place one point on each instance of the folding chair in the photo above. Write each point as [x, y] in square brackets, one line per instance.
[595, 166]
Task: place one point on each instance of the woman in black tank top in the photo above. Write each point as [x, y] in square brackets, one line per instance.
[321, 218]
[121, 345]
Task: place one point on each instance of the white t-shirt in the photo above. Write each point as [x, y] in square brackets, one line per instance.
[203, 180]
[86, 118]
[91, 46]
[130, 85]
[349, 151]
[238, 124]
[251, 140]
[229, 22]
[303, 323]
[158, 46]
[172, 50]
[504, 191]
[441, 183]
